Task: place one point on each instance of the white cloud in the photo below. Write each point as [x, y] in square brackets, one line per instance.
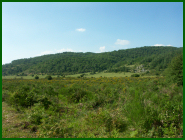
[80, 30]
[122, 42]
[158, 45]
[102, 49]
[46, 52]
[55, 51]
[64, 50]
[162, 45]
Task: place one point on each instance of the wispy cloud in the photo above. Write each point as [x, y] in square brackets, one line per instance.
[64, 50]
[81, 30]
[45, 52]
[55, 51]
[102, 49]
[162, 45]
[122, 42]
[158, 45]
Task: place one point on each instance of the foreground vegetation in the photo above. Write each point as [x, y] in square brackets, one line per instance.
[13, 124]
[114, 107]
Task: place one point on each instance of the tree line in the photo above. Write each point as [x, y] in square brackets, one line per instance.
[74, 62]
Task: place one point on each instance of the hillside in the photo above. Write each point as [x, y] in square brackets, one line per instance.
[149, 57]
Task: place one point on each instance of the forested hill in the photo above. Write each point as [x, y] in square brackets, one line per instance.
[74, 62]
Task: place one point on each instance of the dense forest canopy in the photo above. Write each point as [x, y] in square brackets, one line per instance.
[151, 57]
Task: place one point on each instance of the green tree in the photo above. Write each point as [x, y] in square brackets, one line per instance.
[36, 77]
[135, 75]
[49, 77]
[175, 70]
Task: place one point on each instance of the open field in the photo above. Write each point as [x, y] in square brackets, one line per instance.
[128, 74]
[24, 77]
[120, 74]
[104, 107]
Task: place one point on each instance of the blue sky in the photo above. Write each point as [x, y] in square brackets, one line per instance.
[34, 29]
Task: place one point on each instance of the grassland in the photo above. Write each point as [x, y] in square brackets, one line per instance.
[24, 77]
[13, 124]
[96, 75]
[102, 107]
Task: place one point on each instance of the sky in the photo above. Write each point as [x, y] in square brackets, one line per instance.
[31, 29]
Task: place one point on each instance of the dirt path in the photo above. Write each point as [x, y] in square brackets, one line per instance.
[13, 124]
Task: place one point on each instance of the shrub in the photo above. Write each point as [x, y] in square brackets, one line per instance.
[147, 72]
[36, 115]
[93, 72]
[76, 94]
[49, 77]
[82, 75]
[135, 75]
[36, 77]
[106, 119]
[23, 97]
[157, 74]
[5, 95]
[45, 101]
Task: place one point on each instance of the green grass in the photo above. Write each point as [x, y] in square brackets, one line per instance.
[13, 124]
[121, 74]
[104, 107]
[25, 77]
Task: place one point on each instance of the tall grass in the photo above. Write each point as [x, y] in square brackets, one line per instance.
[104, 107]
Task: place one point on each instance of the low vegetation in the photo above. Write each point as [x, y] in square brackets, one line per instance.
[98, 107]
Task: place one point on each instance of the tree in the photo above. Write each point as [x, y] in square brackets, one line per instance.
[135, 75]
[175, 70]
[36, 77]
[49, 77]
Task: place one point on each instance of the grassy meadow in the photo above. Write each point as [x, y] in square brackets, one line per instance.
[94, 107]
[102, 74]
[96, 75]
[24, 77]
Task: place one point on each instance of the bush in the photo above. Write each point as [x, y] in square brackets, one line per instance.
[135, 75]
[82, 75]
[22, 97]
[49, 77]
[36, 115]
[147, 72]
[45, 102]
[36, 77]
[5, 95]
[93, 72]
[76, 94]
[157, 73]
[104, 118]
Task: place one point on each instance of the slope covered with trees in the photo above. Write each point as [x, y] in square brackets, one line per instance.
[151, 57]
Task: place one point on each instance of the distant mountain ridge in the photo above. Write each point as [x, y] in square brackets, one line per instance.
[76, 62]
